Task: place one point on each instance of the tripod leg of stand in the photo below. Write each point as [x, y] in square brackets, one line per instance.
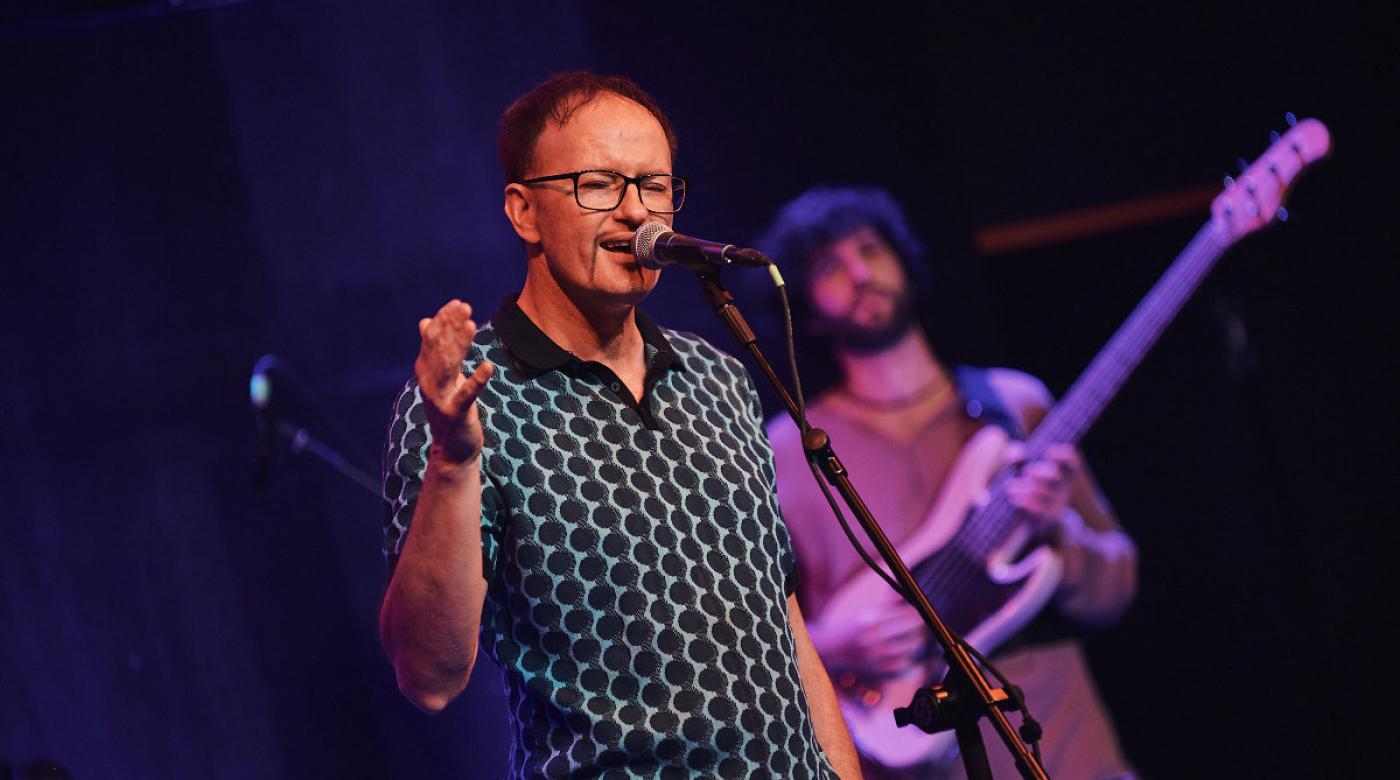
[974, 752]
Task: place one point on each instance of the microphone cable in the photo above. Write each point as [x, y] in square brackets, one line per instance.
[803, 426]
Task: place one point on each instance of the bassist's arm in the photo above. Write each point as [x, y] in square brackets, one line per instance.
[1100, 559]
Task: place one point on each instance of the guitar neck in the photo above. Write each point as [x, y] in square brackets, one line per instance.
[1236, 212]
[1086, 399]
[1100, 382]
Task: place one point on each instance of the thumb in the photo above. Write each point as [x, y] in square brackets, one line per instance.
[474, 383]
[1014, 452]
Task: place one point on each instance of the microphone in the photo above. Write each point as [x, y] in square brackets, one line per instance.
[259, 385]
[655, 245]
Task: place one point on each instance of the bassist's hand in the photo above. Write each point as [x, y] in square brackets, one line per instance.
[1041, 488]
[878, 640]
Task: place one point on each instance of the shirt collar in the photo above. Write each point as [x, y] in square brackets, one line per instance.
[537, 351]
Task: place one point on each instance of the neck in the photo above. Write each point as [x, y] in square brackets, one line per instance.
[603, 333]
[894, 373]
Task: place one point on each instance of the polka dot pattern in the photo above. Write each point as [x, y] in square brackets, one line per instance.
[637, 576]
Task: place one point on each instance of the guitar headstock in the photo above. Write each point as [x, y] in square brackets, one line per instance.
[1252, 200]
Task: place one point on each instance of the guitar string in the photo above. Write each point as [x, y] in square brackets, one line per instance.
[1089, 396]
[1104, 378]
[1085, 401]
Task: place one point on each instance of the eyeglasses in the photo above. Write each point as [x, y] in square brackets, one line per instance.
[661, 193]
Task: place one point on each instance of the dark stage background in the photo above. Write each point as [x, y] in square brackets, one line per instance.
[189, 186]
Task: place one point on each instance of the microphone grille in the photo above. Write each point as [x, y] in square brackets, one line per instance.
[644, 243]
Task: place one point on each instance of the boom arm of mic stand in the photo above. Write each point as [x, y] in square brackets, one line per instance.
[963, 670]
[300, 440]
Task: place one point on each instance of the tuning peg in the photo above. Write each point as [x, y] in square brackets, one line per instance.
[1249, 185]
[1274, 136]
[1229, 182]
[1291, 119]
[1282, 214]
[1241, 164]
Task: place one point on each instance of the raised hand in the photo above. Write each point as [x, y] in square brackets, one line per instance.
[449, 395]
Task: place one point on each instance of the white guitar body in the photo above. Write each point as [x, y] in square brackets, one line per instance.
[869, 704]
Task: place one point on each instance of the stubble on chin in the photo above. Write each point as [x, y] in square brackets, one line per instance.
[866, 339]
[600, 282]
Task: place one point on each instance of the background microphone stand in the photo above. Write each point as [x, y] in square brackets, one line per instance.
[965, 696]
[269, 427]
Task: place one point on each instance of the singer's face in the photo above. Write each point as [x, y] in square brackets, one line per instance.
[588, 253]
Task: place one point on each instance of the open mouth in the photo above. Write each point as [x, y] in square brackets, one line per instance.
[619, 245]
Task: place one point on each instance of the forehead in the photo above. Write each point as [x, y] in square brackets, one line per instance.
[608, 132]
[862, 238]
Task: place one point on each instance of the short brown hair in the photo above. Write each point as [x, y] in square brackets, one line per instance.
[558, 98]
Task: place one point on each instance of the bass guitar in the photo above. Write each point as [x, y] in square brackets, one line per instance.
[974, 554]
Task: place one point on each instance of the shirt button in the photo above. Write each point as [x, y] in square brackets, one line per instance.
[616, 387]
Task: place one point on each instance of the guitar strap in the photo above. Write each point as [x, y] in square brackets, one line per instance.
[982, 402]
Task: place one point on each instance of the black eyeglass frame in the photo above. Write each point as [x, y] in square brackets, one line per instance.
[635, 181]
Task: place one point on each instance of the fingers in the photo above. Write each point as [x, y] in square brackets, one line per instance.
[893, 636]
[472, 385]
[1046, 473]
[454, 308]
[446, 337]
[898, 630]
[1042, 487]
[1014, 452]
[452, 325]
[897, 613]
[896, 636]
[1035, 498]
[1066, 457]
[893, 656]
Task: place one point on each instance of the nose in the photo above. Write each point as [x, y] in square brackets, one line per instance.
[854, 267]
[631, 210]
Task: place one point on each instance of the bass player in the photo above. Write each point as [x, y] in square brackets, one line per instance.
[900, 419]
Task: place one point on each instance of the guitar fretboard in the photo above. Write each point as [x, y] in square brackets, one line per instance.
[987, 528]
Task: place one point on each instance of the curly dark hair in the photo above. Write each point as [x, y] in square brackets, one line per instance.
[825, 214]
[816, 218]
[557, 98]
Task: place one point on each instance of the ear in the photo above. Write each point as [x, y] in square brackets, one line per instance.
[521, 211]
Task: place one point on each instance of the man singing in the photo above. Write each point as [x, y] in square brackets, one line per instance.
[900, 419]
[591, 497]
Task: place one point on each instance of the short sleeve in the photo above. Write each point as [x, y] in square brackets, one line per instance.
[405, 461]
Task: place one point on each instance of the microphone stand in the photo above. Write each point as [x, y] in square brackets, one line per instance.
[965, 696]
[299, 440]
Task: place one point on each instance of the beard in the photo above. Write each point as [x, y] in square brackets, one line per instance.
[864, 339]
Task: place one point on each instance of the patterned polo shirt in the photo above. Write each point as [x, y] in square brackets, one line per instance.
[636, 560]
